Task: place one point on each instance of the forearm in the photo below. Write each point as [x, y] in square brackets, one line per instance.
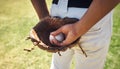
[41, 8]
[97, 10]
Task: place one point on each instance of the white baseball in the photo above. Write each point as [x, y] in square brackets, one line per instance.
[59, 37]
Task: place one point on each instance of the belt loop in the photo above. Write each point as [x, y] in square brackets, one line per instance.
[55, 1]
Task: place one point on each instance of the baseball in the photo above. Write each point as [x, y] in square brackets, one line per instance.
[59, 37]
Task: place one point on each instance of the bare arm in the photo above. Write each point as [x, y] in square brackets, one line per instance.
[97, 10]
[41, 8]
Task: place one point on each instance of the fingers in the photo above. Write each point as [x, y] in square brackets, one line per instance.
[67, 41]
[64, 43]
[70, 35]
[56, 42]
[56, 32]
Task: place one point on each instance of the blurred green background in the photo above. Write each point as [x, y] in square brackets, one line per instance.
[17, 17]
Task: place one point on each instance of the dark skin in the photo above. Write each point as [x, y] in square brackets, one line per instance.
[97, 10]
[41, 8]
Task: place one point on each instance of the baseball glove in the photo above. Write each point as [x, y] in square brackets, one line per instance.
[39, 34]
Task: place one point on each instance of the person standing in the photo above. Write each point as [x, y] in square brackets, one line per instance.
[94, 27]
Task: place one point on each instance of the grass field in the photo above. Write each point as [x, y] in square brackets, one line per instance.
[17, 17]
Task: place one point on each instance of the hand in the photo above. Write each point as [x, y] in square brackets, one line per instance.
[70, 32]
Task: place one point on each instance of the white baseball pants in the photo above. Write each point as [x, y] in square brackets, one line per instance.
[95, 42]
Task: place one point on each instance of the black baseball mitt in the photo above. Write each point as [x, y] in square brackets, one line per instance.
[39, 34]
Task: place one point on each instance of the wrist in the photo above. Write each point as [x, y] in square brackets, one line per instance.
[81, 28]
